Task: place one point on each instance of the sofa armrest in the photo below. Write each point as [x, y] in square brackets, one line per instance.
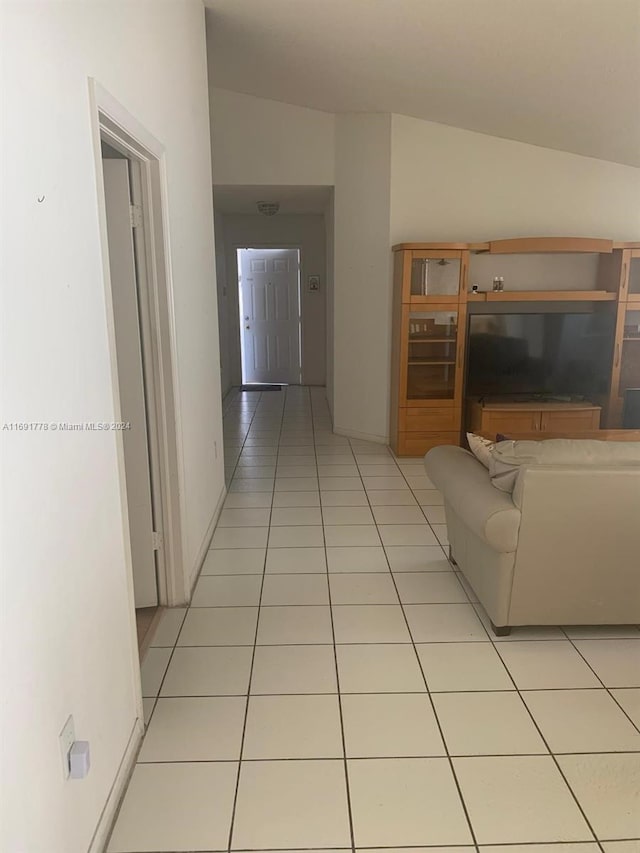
[467, 490]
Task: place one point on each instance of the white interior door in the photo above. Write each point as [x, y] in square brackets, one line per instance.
[270, 315]
[131, 379]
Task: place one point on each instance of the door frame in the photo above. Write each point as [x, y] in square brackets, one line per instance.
[111, 122]
[297, 249]
[232, 265]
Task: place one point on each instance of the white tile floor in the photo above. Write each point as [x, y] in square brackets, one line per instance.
[333, 686]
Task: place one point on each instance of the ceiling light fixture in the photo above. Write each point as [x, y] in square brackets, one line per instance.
[268, 208]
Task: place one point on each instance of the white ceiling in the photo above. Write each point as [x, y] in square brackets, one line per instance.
[293, 199]
[564, 74]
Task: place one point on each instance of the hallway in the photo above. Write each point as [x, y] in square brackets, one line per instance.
[333, 686]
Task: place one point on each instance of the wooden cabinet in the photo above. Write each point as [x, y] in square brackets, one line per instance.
[509, 418]
[428, 348]
[429, 337]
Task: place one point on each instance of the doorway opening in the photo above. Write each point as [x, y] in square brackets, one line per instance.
[129, 165]
[270, 316]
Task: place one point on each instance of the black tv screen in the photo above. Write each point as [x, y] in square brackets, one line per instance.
[554, 354]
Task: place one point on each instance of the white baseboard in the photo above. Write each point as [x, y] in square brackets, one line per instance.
[362, 436]
[208, 536]
[107, 818]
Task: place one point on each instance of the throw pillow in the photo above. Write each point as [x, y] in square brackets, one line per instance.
[480, 447]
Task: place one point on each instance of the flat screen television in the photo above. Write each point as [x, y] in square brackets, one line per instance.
[549, 355]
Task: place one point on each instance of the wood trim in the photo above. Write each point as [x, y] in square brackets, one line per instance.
[404, 353]
[404, 279]
[396, 330]
[464, 276]
[622, 283]
[551, 296]
[403, 247]
[633, 299]
[429, 254]
[622, 245]
[635, 250]
[431, 404]
[537, 407]
[460, 355]
[614, 394]
[529, 245]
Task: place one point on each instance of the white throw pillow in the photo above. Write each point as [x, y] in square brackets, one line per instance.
[481, 448]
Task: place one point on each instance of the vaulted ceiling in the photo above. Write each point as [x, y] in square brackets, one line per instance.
[563, 74]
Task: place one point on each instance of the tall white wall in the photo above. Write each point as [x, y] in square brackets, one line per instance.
[362, 267]
[227, 347]
[451, 184]
[330, 239]
[68, 645]
[257, 141]
[306, 231]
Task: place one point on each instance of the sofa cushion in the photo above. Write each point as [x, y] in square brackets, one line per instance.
[508, 457]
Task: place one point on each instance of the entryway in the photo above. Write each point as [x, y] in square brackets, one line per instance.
[269, 301]
[135, 383]
[128, 163]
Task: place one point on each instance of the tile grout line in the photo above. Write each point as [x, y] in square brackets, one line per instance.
[157, 696]
[570, 639]
[255, 643]
[335, 663]
[544, 740]
[431, 702]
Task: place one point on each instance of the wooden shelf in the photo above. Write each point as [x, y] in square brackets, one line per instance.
[425, 339]
[429, 247]
[435, 360]
[531, 245]
[550, 296]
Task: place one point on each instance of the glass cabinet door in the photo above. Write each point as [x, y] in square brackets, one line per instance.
[435, 276]
[432, 354]
[630, 357]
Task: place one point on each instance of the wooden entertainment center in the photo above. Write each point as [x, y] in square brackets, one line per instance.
[434, 296]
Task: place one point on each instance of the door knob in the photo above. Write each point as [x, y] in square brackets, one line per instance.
[247, 327]
[246, 318]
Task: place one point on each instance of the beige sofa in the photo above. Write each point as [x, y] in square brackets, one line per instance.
[563, 548]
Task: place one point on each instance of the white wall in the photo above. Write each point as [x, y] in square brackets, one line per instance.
[306, 231]
[68, 644]
[450, 184]
[329, 232]
[362, 297]
[227, 347]
[257, 141]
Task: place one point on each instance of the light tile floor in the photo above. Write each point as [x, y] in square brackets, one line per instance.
[334, 686]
